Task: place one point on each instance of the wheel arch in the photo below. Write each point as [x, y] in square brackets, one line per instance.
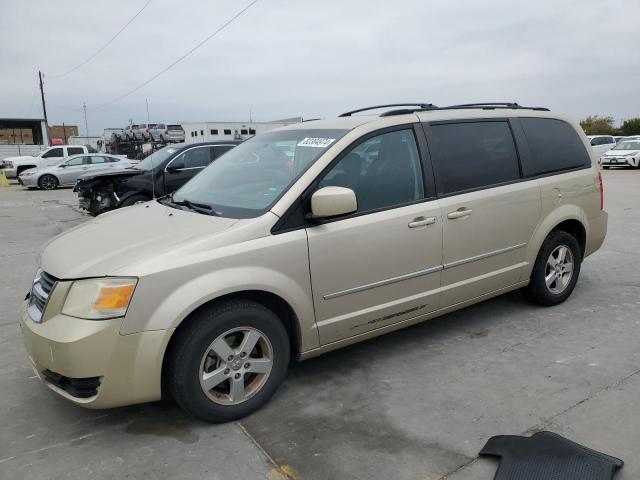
[278, 305]
[567, 218]
[22, 168]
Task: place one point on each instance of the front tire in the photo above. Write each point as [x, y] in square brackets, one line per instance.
[556, 270]
[48, 182]
[228, 361]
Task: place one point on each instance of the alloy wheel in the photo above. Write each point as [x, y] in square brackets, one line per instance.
[236, 365]
[559, 269]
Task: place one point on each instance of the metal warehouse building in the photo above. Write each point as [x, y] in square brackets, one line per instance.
[212, 131]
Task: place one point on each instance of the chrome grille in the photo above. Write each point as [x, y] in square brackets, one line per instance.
[43, 284]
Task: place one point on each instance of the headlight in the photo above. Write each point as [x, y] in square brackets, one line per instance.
[99, 298]
[8, 163]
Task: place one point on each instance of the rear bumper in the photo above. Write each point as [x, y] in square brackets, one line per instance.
[91, 364]
[597, 232]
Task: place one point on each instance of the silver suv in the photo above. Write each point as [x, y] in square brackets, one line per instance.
[308, 238]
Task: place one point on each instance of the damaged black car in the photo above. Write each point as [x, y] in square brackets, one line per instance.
[159, 174]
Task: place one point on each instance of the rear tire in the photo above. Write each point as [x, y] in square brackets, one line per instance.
[132, 200]
[193, 360]
[48, 182]
[552, 280]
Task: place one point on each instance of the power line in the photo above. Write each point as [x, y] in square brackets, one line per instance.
[103, 46]
[224, 25]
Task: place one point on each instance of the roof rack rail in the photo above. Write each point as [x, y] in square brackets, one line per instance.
[420, 105]
[492, 106]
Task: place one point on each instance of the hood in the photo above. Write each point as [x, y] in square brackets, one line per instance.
[123, 237]
[22, 157]
[620, 153]
[119, 172]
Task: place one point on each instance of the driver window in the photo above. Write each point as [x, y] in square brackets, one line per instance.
[75, 162]
[383, 171]
[54, 152]
[196, 157]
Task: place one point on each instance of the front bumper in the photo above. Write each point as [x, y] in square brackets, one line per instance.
[30, 181]
[618, 162]
[69, 354]
[10, 172]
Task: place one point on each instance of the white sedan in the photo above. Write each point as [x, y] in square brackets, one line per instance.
[626, 153]
[67, 172]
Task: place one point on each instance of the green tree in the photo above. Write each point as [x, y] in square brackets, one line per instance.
[596, 125]
[630, 127]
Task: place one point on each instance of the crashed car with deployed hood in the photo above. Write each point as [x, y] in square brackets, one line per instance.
[160, 173]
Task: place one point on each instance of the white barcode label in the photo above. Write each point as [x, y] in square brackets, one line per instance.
[316, 142]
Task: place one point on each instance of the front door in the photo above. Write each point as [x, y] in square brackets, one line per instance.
[381, 265]
[488, 213]
[185, 166]
[72, 169]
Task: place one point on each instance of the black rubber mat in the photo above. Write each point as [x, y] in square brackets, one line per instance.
[548, 456]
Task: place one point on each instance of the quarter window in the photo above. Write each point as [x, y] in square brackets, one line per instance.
[554, 146]
[388, 175]
[473, 155]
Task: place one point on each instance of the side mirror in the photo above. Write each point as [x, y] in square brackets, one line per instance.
[333, 201]
[175, 166]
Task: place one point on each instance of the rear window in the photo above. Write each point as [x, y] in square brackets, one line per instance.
[174, 127]
[472, 155]
[554, 146]
[74, 150]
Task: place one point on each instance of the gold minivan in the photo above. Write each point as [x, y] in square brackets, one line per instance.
[308, 238]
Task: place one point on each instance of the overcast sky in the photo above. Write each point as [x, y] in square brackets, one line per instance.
[286, 58]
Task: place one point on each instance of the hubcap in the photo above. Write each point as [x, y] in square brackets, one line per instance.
[236, 365]
[48, 183]
[559, 269]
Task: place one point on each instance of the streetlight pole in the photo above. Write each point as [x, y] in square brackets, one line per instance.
[86, 124]
[44, 106]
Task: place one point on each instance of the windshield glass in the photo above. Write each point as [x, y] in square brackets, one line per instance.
[156, 158]
[628, 145]
[246, 181]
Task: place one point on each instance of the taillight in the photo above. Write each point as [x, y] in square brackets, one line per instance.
[601, 191]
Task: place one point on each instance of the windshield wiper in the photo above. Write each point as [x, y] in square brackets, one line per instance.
[195, 206]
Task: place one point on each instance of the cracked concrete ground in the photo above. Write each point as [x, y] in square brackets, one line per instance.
[415, 404]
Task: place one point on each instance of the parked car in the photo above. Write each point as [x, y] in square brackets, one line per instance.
[146, 129]
[111, 135]
[160, 173]
[130, 132]
[601, 143]
[14, 166]
[625, 153]
[617, 138]
[67, 171]
[164, 133]
[207, 293]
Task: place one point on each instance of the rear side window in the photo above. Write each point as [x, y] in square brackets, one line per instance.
[220, 149]
[554, 146]
[54, 152]
[472, 155]
[197, 157]
[75, 150]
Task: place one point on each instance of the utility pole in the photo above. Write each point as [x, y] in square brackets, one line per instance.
[44, 106]
[86, 124]
[147, 101]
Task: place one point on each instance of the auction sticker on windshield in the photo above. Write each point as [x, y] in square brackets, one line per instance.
[316, 142]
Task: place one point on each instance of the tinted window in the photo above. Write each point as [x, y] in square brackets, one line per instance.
[252, 131]
[54, 152]
[473, 155]
[554, 146]
[196, 157]
[243, 131]
[227, 132]
[220, 149]
[390, 175]
[214, 131]
[75, 150]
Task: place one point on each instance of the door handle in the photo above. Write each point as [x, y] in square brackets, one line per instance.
[422, 222]
[460, 213]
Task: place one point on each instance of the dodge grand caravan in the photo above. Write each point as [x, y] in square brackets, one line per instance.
[306, 239]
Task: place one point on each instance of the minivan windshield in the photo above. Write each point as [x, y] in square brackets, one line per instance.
[156, 158]
[246, 181]
[628, 145]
